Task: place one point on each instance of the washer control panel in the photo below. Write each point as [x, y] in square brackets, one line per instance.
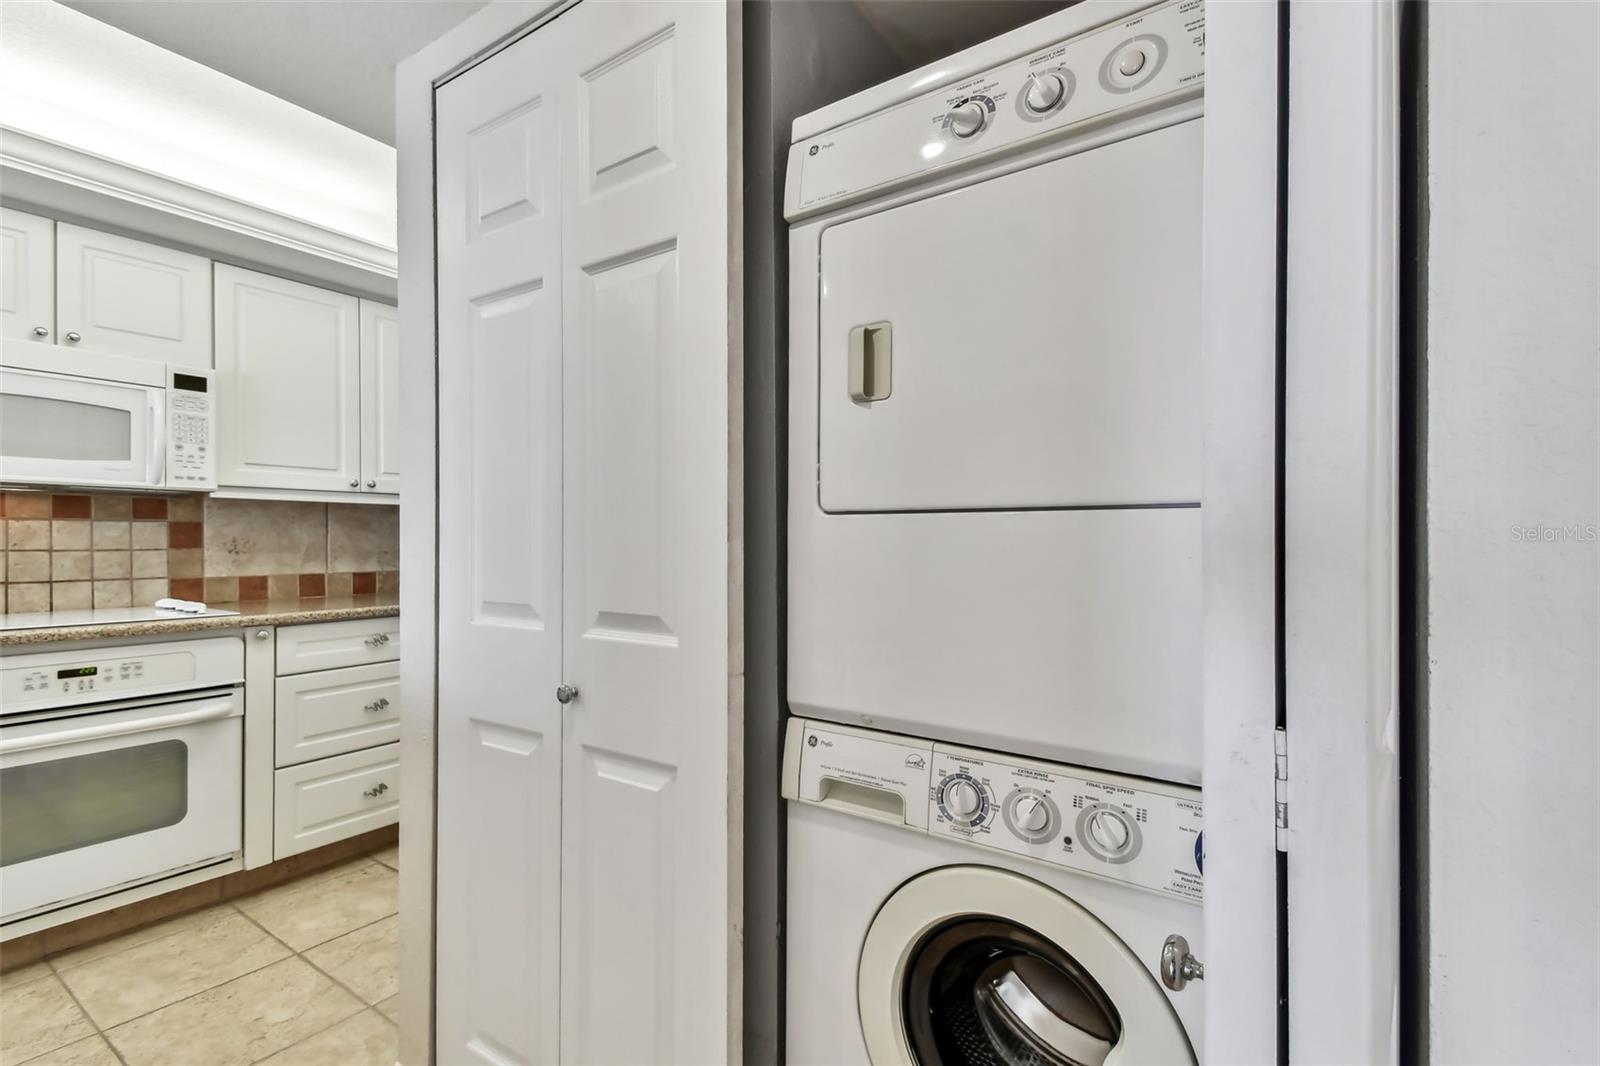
[1131, 63]
[1140, 832]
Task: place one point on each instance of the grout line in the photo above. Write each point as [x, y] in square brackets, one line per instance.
[101, 1033]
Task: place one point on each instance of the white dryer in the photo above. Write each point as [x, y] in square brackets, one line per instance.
[995, 432]
[950, 906]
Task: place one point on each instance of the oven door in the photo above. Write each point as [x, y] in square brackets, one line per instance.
[62, 430]
[94, 802]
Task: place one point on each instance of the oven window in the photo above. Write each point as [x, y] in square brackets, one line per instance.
[64, 804]
[42, 427]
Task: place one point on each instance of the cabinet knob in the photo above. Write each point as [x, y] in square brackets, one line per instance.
[355, 483]
[40, 331]
[74, 336]
[566, 693]
[372, 484]
[263, 634]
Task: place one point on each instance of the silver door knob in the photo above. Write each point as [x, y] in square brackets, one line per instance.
[372, 484]
[355, 483]
[566, 693]
[1178, 967]
[40, 331]
[74, 336]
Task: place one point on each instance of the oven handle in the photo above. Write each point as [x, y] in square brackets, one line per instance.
[201, 712]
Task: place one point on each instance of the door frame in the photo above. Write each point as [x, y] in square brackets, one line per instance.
[1302, 523]
[479, 36]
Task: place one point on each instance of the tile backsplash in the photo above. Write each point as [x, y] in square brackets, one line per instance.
[72, 551]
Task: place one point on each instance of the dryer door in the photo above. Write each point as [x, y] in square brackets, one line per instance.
[1026, 341]
[973, 965]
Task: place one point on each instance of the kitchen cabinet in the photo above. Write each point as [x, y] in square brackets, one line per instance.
[308, 388]
[27, 277]
[119, 296]
[380, 397]
[288, 384]
[336, 732]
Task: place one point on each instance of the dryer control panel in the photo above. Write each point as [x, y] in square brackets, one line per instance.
[1139, 832]
[1128, 66]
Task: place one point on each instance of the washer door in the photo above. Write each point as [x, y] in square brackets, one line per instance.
[973, 965]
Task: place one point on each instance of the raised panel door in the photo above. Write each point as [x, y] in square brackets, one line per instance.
[499, 608]
[649, 904]
[380, 398]
[27, 277]
[120, 296]
[288, 384]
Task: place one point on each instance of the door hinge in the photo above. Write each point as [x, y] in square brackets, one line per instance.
[1280, 773]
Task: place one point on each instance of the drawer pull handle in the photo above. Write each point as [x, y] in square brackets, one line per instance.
[377, 640]
[376, 790]
[379, 704]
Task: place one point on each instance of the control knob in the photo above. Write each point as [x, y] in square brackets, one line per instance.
[962, 799]
[967, 120]
[1110, 830]
[1032, 815]
[1044, 92]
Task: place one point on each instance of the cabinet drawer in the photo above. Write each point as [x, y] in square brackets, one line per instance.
[326, 645]
[319, 802]
[330, 712]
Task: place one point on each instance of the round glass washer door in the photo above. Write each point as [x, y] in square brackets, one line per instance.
[974, 966]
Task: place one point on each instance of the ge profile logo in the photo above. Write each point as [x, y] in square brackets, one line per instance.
[814, 149]
[811, 741]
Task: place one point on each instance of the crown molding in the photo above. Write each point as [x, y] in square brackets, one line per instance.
[53, 175]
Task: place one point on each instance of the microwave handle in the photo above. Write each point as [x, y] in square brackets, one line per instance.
[156, 465]
[207, 711]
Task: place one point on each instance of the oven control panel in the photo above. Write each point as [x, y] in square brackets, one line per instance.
[1128, 829]
[63, 679]
[1157, 55]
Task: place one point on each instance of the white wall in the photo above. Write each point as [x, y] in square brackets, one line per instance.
[70, 79]
[1513, 774]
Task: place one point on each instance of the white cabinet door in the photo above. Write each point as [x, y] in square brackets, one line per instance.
[27, 277]
[650, 907]
[499, 608]
[288, 384]
[125, 297]
[380, 398]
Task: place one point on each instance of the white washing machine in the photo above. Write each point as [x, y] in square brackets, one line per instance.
[950, 906]
[995, 432]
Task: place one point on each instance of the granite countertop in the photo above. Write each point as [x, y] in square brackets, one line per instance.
[250, 613]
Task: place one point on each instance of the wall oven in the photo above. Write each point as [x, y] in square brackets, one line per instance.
[105, 422]
[118, 766]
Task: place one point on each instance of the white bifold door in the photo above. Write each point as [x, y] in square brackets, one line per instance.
[587, 900]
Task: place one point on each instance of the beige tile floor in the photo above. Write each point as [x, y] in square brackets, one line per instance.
[302, 974]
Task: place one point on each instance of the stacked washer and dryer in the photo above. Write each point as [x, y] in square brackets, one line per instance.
[994, 834]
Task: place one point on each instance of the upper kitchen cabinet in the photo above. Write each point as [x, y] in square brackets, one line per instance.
[119, 296]
[288, 384]
[27, 277]
[380, 397]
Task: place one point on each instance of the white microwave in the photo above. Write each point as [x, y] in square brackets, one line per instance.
[112, 423]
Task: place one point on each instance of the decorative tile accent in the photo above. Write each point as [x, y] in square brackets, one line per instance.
[69, 507]
[187, 588]
[73, 551]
